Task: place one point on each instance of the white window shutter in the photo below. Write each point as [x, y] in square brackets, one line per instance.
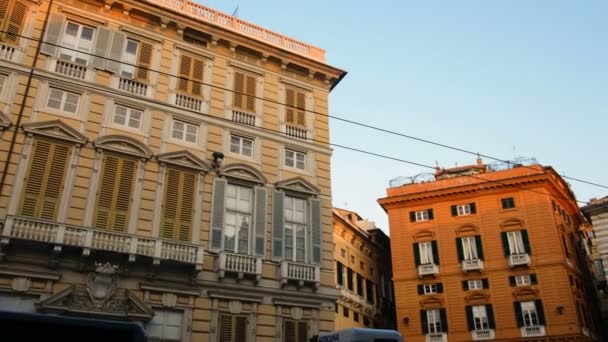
[277, 225]
[116, 49]
[316, 231]
[52, 35]
[100, 51]
[217, 214]
[260, 221]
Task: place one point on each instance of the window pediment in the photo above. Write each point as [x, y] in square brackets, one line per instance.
[431, 302]
[424, 235]
[467, 229]
[243, 172]
[512, 223]
[5, 122]
[123, 144]
[185, 159]
[477, 298]
[525, 293]
[55, 129]
[298, 184]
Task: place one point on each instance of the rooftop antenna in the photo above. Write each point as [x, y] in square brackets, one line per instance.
[235, 13]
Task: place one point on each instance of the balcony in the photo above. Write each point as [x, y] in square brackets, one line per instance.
[8, 52]
[472, 265]
[481, 335]
[243, 117]
[241, 264]
[519, 259]
[300, 273]
[133, 86]
[427, 269]
[437, 337]
[59, 235]
[189, 102]
[70, 69]
[532, 331]
[296, 132]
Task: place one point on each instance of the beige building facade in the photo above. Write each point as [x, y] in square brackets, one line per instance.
[363, 273]
[166, 163]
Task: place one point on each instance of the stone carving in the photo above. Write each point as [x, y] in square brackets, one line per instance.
[235, 307]
[296, 313]
[169, 300]
[20, 284]
[102, 283]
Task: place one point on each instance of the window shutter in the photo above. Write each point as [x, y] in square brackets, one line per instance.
[144, 61]
[512, 281]
[3, 12]
[505, 244]
[260, 221]
[172, 184]
[239, 89]
[424, 322]
[444, 320]
[479, 247]
[114, 196]
[533, 279]
[435, 252]
[420, 289]
[178, 208]
[15, 22]
[454, 211]
[116, 49]
[52, 34]
[240, 329]
[315, 229]
[470, 320]
[102, 45]
[290, 103]
[485, 284]
[277, 224]
[198, 72]
[250, 105]
[539, 311]
[518, 314]
[490, 314]
[459, 249]
[430, 211]
[184, 73]
[186, 214]
[412, 216]
[439, 287]
[225, 329]
[526, 241]
[416, 253]
[465, 285]
[302, 332]
[473, 208]
[217, 213]
[289, 331]
[301, 104]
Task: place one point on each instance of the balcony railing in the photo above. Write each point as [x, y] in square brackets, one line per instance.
[89, 239]
[519, 259]
[471, 265]
[189, 102]
[438, 337]
[301, 273]
[243, 117]
[531, 331]
[7, 52]
[484, 334]
[295, 132]
[70, 69]
[427, 269]
[240, 264]
[132, 86]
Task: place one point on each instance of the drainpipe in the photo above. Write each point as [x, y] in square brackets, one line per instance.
[11, 148]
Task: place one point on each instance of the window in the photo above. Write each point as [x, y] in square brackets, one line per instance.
[356, 316]
[362, 265]
[345, 311]
[421, 215]
[295, 228]
[366, 321]
[349, 279]
[241, 145]
[165, 326]
[469, 248]
[530, 313]
[239, 214]
[480, 317]
[476, 284]
[464, 209]
[295, 107]
[63, 100]
[370, 288]
[136, 59]
[114, 194]
[426, 253]
[178, 205]
[295, 159]
[128, 117]
[359, 285]
[191, 72]
[77, 43]
[433, 321]
[508, 203]
[340, 273]
[244, 91]
[232, 328]
[11, 25]
[44, 182]
[3, 79]
[523, 280]
[428, 289]
[343, 252]
[516, 242]
[294, 331]
[184, 131]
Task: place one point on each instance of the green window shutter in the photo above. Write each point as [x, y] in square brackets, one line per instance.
[316, 230]
[52, 34]
[260, 221]
[116, 49]
[278, 215]
[102, 45]
[217, 213]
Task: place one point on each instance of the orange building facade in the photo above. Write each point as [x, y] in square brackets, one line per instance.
[487, 254]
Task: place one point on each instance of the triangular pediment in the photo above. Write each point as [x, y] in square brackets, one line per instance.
[55, 129]
[243, 172]
[298, 184]
[76, 300]
[5, 121]
[123, 144]
[185, 159]
[431, 302]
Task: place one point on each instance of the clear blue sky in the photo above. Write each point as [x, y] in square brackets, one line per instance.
[504, 78]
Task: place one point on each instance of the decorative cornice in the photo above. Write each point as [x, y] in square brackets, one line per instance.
[55, 129]
[185, 159]
[298, 184]
[236, 295]
[123, 144]
[243, 172]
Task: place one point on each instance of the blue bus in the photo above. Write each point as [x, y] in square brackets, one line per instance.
[361, 335]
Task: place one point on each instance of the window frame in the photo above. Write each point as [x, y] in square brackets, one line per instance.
[426, 253]
[294, 158]
[422, 215]
[433, 320]
[240, 145]
[506, 201]
[301, 224]
[516, 242]
[184, 133]
[73, 53]
[475, 284]
[469, 248]
[129, 62]
[480, 317]
[239, 213]
[128, 116]
[429, 289]
[63, 100]
[463, 209]
[529, 314]
[159, 313]
[523, 280]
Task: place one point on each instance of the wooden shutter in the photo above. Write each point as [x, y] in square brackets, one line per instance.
[439, 287]
[454, 210]
[240, 329]
[490, 315]
[144, 61]
[479, 247]
[290, 103]
[412, 216]
[52, 34]
[316, 230]
[15, 22]
[232, 328]
[278, 214]
[470, 319]
[178, 206]
[198, 72]
[518, 314]
[302, 334]
[116, 50]
[435, 252]
[217, 213]
[114, 195]
[526, 241]
[485, 283]
[533, 279]
[473, 208]
[185, 67]
[239, 89]
[301, 104]
[102, 46]
[430, 211]
[459, 249]
[539, 311]
[512, 281]
[416, 254]
[420, 289]
[444, 320]
[465, 285]
[505, 244]
[295, 107]
[289, 331]
[424, 322]
[250, 91]
[225, 328]
[260, 221]
[44, 182]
